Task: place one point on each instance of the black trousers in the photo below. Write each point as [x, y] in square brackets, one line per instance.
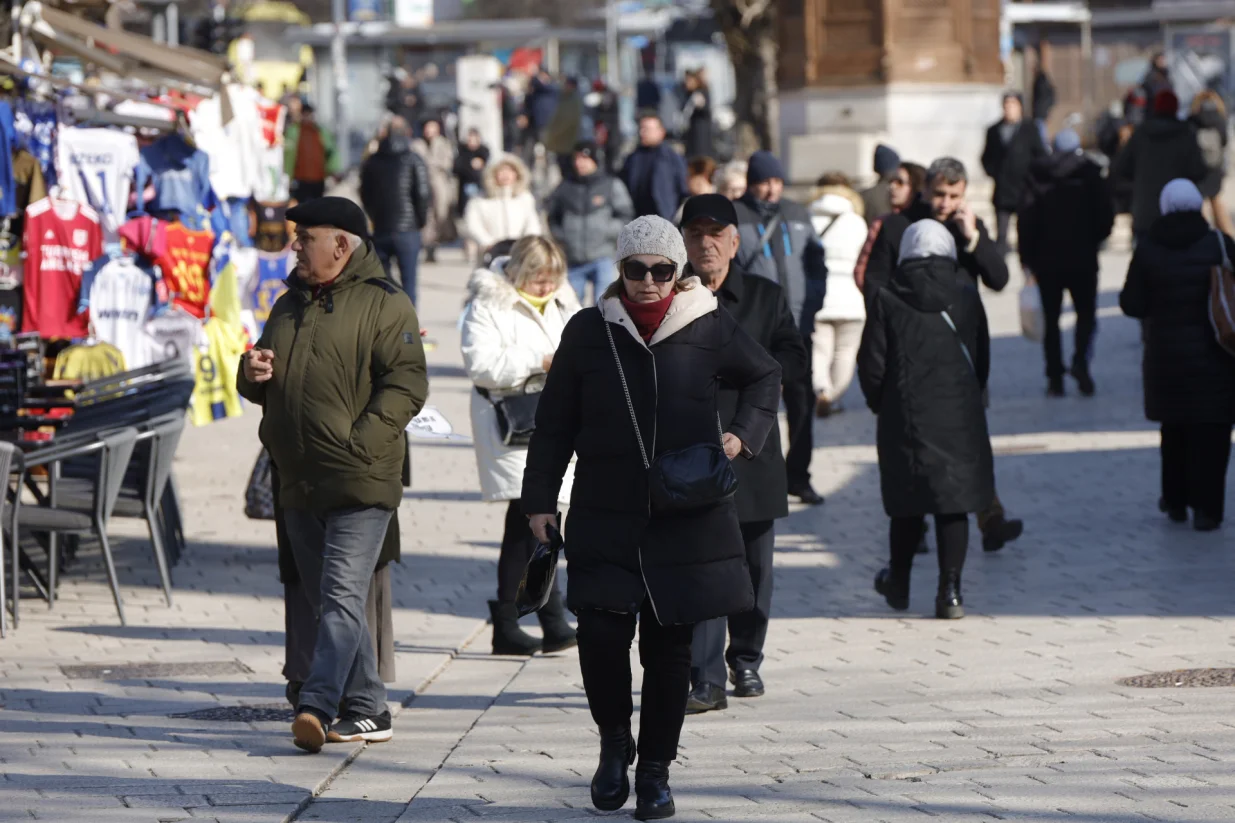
[1002, 221]
[518, 543]
[1084, 291]
[951, 532]
[664, 652]
[799, 396]
[1194, 462]
[747, 630]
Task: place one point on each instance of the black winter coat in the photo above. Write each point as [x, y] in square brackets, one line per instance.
[1043, 95]
[934, 449]
[984, 263]
[1008, 163]
[1159, 151]
[1066, 216]
[760, 307]
[1188, 377]
[467, 174]
[1211, 139]
[394, 188]
[691, 566]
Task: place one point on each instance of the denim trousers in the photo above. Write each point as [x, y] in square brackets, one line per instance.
[405, 248]
[335, 554]
[600, 273]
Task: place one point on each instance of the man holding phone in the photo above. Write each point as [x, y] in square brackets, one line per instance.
[977, 255]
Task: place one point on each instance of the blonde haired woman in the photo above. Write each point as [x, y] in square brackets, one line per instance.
[517, 309]
[731, 179]
[1208, 117]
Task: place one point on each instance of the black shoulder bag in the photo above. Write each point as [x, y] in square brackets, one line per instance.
[695, 477]
[516, 414]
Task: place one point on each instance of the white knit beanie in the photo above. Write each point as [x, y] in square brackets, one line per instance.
[652, 235]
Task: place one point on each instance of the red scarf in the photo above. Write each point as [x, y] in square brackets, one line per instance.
[647, 316]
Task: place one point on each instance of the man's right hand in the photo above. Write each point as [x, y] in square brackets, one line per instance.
[540, 526]
[258, 365]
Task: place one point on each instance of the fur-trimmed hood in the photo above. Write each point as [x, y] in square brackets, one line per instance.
[522, 183]
[491, 289]
[688, 305]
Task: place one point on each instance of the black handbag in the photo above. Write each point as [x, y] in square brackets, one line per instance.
[694, 477]
[516, 414]
[538, 577]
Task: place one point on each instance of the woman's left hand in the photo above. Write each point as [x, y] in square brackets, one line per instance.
[733, 446]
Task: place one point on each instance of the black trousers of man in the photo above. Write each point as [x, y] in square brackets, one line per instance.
[1084, 291]
[799, 397]
[1194, 463]
[604, 659]
[747, 630]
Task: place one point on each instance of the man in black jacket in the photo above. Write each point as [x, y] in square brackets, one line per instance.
[977, 256]
[1065, 217]
[709, 225]
[394, 189]
[1012, 145]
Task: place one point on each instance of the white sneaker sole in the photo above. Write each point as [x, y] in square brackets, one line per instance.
[368, 737]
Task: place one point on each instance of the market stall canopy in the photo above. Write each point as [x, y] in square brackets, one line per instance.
[190, 64]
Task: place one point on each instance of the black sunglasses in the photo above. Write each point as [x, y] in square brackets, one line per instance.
[661, 272]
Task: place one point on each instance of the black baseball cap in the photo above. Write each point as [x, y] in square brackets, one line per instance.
[715, 207]
[587, 148]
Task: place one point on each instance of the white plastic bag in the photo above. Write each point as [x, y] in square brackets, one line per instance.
[1033, 321]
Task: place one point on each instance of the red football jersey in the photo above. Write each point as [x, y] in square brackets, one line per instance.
[61, 239]
[186, 267]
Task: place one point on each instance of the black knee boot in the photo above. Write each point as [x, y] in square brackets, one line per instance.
[508, 638]
[611, 783]
[558, 633]
[653, 799]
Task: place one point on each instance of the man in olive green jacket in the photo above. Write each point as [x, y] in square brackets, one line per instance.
[339, 372]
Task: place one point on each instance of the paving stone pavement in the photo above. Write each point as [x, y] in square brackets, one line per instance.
[1014, 713]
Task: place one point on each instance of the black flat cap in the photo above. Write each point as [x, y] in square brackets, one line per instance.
[714, 207]
[335, 212]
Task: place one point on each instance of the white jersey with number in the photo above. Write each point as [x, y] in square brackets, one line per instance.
[120, 298]
[173, 335]
[95, 167]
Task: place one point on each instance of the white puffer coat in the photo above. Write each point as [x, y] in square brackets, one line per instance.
[505, 341]
[503, 214]
[842, 245]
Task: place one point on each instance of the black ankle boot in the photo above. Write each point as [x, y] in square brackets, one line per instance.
[508, 638]
[948, 603]
[894, 590]
[558, 633]
[611, 783]
[653, 799]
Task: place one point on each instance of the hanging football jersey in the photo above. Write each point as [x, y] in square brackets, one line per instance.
[173, 336]
[88, 362]
[186, 267]
[272, 234]
[10, 314]
[269, 283]
[61, 240]
[219, 348]
[95, 167]
[119, 295]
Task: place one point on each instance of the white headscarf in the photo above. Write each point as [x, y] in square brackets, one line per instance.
[1180, 195]
[926, 238]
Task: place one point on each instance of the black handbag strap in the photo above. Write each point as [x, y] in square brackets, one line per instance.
[626, 391]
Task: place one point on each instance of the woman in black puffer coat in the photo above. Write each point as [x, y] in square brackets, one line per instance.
[923, 365]
[670, 570]
[1189, 379]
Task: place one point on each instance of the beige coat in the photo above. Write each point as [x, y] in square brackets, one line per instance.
[503, 214]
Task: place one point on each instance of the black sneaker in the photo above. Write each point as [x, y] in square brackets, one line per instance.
[375, 729]
[1084, 381]
[1054, 387]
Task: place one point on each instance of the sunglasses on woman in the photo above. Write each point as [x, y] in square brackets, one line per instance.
[661, 272]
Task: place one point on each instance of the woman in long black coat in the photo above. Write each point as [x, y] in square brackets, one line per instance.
[1189, 379]
[923, 365]
[675, 345]
[697, 111]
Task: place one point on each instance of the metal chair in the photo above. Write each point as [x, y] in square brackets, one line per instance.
[7, 450]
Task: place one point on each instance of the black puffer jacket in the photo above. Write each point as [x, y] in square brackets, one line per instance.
[1008, 163]
[394, 188]
[1188, 377]
[692, 566]
[586, 214]
[934, 450]
[1066, 216]
[1160, 150]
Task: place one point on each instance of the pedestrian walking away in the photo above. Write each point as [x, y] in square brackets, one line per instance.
[923, 367]
[709, 226]
[339, 372]
[778, 241]
[1189, 380]
[309, 155]
[516, 311]
[838, 325]
[655, 174]
[396, 193]
[439, 156]
[586, 212]
[1066, 215]
[666, 562]
[508, 210]
[697, 113]
[1012, 145]
[944, 202]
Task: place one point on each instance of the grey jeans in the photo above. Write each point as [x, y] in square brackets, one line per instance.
[335, 555]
